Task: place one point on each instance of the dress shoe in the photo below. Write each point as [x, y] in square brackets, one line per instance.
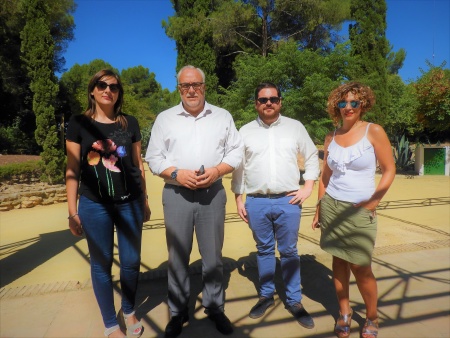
[223, 324]
[260, 308]
[175, 325]
[301, 315]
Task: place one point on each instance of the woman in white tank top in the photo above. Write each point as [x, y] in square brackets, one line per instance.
[348, 199]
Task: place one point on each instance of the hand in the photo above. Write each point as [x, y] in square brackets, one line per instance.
[208, 178]
[242, 211]
[147, 211]
[187, 178]
[369, 205]
[300, 196]
[75, 226]
[315, 224]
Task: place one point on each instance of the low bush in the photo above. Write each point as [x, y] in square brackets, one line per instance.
[27, 169]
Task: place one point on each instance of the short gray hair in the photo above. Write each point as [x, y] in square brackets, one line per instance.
[190, 67]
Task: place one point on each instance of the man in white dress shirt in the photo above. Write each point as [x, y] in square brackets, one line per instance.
[185, 138]
[270, 177]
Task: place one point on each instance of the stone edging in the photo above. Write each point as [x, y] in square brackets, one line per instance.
[18, 196]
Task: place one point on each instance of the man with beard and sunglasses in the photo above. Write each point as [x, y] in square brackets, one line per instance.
[270, 176]
[192, 146]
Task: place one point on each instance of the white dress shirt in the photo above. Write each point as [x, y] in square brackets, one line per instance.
[270, 164]
[187, 142]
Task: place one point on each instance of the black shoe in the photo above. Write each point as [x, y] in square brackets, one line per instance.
[301, 315]
[223, 324]
[260, 308]
[175, 325]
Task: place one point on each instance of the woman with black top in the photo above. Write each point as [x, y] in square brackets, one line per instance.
[105, 169]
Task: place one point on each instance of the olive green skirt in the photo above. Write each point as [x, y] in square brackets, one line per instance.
[347, 232]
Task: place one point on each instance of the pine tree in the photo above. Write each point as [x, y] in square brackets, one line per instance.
[190, 28]
[370, 49]
[37, 54]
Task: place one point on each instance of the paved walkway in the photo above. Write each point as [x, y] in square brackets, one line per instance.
[46, 289]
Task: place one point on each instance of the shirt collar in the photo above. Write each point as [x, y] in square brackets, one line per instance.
[206, 110]
[277, 122]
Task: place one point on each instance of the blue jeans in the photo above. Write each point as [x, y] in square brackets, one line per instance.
[276, 220]
[98, 222]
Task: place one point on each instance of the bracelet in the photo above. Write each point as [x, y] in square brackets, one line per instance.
[218, 171]
[72, 216]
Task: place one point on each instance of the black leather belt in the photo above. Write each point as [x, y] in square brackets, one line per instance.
[272, 196]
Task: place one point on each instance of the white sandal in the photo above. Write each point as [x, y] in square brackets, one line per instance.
[133, 330]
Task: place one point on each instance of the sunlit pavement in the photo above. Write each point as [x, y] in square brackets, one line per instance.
[46, 289]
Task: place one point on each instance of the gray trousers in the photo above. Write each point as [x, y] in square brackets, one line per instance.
[204, 210]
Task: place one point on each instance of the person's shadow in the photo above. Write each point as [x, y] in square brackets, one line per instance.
[38, 251]
[316, 282]
[153, 292]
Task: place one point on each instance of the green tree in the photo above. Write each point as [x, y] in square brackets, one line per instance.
[193, 36]
[433, 95]
[370, 48]
[402, 117]
[15, 93]
[257, 26]
[211, 34]
[395, 60]
[37, 54]
[305, 79]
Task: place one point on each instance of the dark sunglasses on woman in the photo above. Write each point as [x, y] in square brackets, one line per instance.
[101, 85]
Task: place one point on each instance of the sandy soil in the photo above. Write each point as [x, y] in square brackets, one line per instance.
[8, 159]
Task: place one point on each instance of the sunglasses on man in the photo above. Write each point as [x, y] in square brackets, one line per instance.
[272, 99]
[353, 104]
[102, 85]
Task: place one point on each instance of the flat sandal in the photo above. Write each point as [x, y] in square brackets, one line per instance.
[343, 330]
[133, 330]
[370, 329]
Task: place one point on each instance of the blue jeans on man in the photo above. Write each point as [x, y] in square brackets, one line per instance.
[275, 220]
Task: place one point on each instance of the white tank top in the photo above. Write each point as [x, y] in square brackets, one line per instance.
[353, 167]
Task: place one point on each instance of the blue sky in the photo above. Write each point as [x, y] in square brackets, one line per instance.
[129, 33]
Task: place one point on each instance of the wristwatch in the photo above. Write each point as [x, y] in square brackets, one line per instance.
[174, 173]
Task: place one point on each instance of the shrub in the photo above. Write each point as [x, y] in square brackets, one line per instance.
[29, 168]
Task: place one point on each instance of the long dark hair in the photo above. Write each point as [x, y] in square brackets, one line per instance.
[92, 104]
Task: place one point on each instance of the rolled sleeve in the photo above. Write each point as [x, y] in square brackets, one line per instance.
[156, 155]
[237, 180]
[310, 153]
[234, 151]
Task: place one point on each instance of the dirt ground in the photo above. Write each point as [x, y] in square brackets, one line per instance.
[8, 159]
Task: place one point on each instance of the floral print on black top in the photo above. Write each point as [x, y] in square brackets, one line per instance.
[109, 153]
[108, 173]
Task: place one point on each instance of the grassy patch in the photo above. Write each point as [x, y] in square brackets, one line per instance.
[24, 169]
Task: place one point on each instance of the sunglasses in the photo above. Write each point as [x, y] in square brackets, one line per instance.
[272, 99]
[113, 87]
[185, 86]
[353, 104]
